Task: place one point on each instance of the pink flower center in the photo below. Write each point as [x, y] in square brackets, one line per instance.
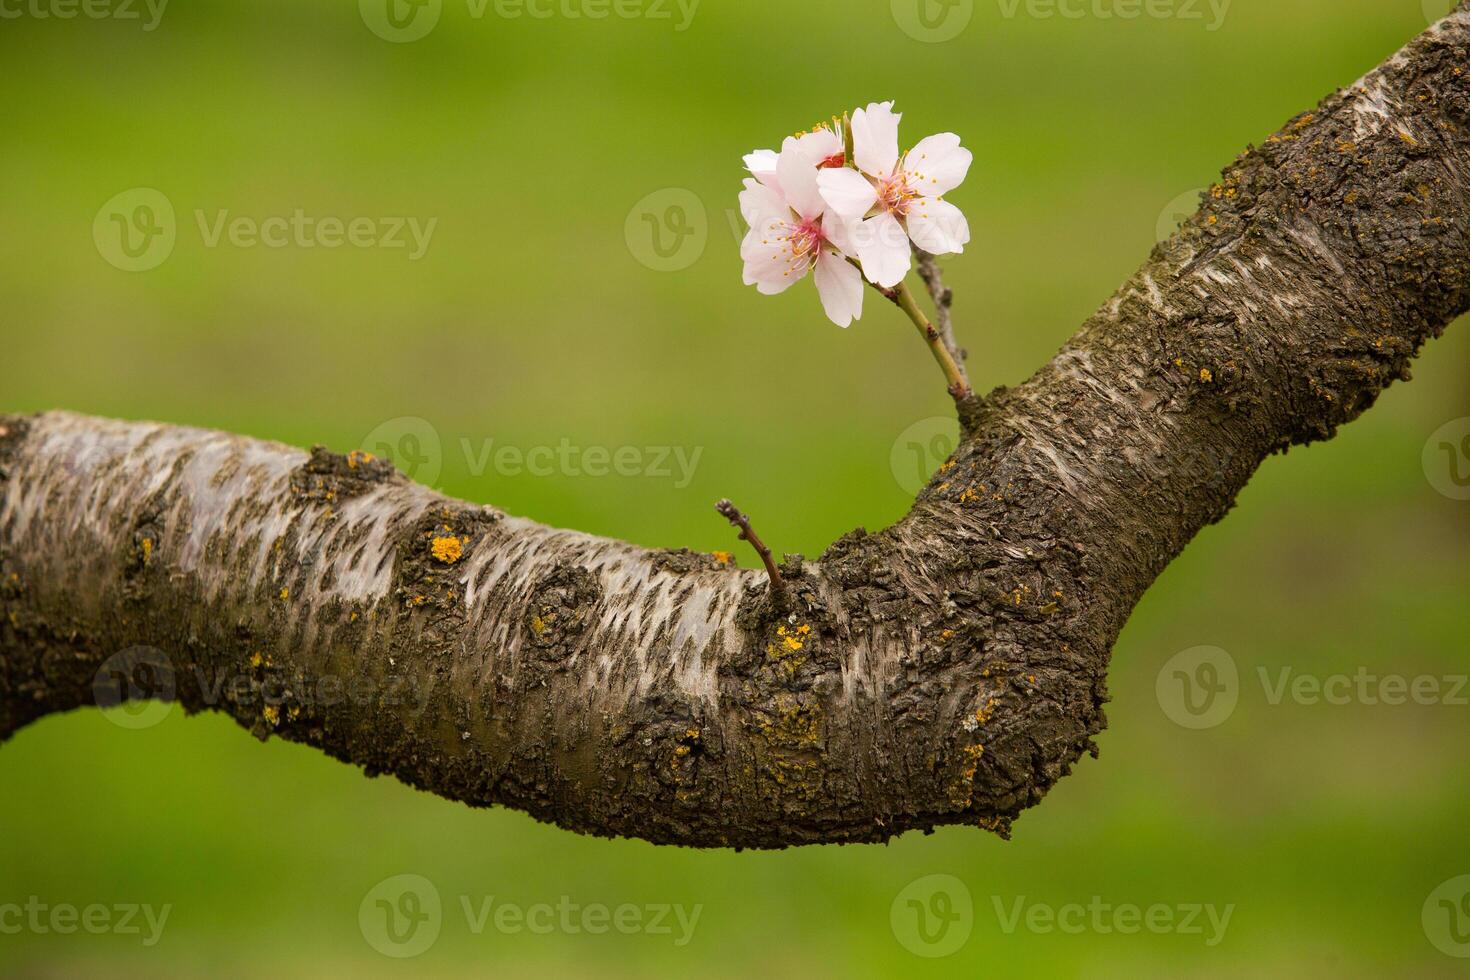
[895, 194]
[807, 238]
[835, 160]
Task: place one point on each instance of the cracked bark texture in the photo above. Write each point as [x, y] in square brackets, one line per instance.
[946, 670]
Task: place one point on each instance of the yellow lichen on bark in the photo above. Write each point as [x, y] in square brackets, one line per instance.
[447, 550]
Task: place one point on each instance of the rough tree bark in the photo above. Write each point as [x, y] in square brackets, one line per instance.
[946, 670]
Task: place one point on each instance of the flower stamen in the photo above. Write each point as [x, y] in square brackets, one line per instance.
[895, 194]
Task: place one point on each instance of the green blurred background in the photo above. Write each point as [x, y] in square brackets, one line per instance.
[535, 316]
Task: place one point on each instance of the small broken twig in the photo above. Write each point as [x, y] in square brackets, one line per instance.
[731, 513]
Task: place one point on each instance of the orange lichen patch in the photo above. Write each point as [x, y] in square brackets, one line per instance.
[1407, 138]
[946, 466]
[147, 550]
[1212, 219]
[794, 639]
[256, 659]
[285, 594]
[692, 733]
[964, 790]
[983, 714]
[946, 635]
[272, 714]
[447, 550]
[995, 825]
[968, 495]
[540, 625]
[1206, 375]
[723, 557]
[357, 456]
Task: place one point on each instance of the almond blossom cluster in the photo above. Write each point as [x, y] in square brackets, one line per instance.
[842, 203]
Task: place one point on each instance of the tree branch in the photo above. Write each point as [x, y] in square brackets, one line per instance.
[948, 669]
[943, 298]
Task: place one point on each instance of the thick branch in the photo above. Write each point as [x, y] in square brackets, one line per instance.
[948, 669]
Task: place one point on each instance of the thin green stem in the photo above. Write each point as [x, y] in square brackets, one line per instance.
[959, 388]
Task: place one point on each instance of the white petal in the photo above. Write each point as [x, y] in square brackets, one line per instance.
[937, 226]
[847, 193]
[840, 232]
[769, 264]
[797, 172]
[762, 166]
[820, 144]
[875, 138]
[759, 202]
[840, 287]
[883, 247]
[937, 165]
